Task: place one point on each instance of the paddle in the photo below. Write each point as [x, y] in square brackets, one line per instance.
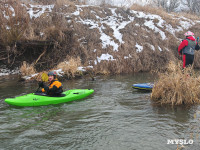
[45, 78]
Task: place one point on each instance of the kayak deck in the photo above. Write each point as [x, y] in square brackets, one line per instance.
[143, 86]
[38, 100]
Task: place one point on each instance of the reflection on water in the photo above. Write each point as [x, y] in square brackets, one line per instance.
[114, 117]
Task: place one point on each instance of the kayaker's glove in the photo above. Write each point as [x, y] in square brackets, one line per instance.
[41, 84]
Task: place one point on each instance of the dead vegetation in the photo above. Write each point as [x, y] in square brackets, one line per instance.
[45, 41]
[27, 69]
[13, 25]
[25, 39]
[177, 86]
[70, 67]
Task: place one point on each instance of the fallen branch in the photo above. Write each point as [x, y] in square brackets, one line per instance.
[45, 49]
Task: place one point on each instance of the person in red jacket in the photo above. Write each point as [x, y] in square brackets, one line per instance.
[187, 47]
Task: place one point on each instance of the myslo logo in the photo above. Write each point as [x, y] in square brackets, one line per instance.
[180, 141]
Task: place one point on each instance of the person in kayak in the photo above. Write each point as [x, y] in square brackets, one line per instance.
[54, 87]
[187, 47]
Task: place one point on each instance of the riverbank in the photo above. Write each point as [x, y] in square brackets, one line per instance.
[112, 40]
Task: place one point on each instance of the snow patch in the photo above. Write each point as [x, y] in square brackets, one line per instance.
[115, 22]
[30, 76]
[160, 49]
[185, 24]
[105, 57]
[139, 48]
[151, 25]
[83, 69]
[59, 72]
[126, 57]
[77, 12]
[5, 72]
[36, 11]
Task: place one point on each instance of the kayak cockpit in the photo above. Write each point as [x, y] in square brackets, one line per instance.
[44, 94]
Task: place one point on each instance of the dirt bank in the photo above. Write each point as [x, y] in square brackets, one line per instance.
[111, 40]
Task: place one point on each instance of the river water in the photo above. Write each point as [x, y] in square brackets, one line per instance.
[114, 117]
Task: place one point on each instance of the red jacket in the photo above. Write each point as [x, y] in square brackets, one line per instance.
[184, 43]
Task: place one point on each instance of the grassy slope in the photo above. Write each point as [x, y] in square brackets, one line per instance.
[63, 31]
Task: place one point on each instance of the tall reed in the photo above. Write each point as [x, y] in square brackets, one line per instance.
[70, 66]
[177, 86]
[27, 69]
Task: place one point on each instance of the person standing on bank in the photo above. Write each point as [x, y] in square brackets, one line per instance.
[187, 47]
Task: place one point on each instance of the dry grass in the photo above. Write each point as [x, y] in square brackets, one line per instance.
[168, 17]
[177, 86]
[27, 69]
[57, 2]
[64, 36]
[189, 15]
[70, 66]
[64, 2]
[150, 9]
[12, 29]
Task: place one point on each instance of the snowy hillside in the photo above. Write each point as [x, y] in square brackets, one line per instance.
[116, 40]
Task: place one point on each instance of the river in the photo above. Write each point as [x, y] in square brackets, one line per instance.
[114, 117]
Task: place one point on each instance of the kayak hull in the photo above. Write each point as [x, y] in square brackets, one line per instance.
[143, 86]
[40, 100]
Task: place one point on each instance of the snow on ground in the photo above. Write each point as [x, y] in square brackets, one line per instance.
[116, 22]
[105, 57]
[186, 24]
[36, 11]
[59, 72]
[126, 57]
[160, 49]
[5, 72]
[83, 69]
[152, 47]
[113, 22]
[151, 25]
[30, 76]
[139, 48]
[77, 12]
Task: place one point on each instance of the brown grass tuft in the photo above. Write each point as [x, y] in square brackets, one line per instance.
[64, 2]
[70, 66]
[150, 9]
[13, 28]
[191, 16]
[27, 69]
[177, 86]
[168, 17]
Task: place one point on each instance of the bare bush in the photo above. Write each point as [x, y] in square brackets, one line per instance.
[177, 86]
[63, 2]
[168, 5]
[27, 69]
[14, 22]
[193, 5]
[70, 66]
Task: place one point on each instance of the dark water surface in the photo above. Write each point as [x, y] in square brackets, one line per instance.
[115, 117]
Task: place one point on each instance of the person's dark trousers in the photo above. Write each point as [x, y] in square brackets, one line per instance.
[187, 60]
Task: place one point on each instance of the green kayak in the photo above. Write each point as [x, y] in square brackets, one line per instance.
[35, 99]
